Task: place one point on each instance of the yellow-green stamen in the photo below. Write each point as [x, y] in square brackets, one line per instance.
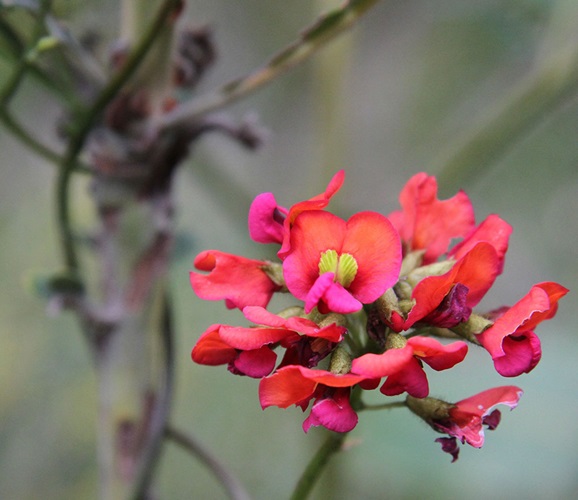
[344, 266]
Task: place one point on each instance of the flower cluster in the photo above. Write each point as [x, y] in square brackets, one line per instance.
[375, 294]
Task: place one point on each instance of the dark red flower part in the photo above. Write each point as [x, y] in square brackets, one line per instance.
[450, 445]
[239, 281]
[426, 223]
[511, 341]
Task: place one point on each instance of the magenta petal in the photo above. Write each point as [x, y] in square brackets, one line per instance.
[257, 364]
[412, 379]
[266, 219]
[335, 414]
[521, 354]
[331, 294]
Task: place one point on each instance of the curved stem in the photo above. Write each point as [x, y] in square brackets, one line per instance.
[383, 406]
[312, 472]
[190, 443]
[312, 39]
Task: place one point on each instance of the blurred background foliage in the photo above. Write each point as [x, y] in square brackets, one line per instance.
[398, 94]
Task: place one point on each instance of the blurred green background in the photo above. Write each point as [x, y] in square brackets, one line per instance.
[396, 95]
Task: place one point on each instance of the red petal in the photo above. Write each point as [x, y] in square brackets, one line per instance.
[374, 243]
[437, 355]
[211, 350]
[382, 365]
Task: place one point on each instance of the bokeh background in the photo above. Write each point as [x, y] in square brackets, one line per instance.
[394, 96]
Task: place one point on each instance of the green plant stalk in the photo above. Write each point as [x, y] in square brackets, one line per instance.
[26, 61]
[314, 468]
[312, 39]
[20, 133]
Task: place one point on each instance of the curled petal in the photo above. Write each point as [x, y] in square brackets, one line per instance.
[334, 413]
[521, 354]
[330, 296]
[411, 379]
[437, 355]
[257, 363]
[211, 350]
[266, 219]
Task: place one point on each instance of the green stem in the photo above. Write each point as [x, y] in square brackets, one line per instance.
[190, 443]
[26, 60]
[87, 121]
[19, 132]
[312, 472]
[313, 38]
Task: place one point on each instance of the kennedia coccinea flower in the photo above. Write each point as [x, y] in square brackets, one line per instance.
[464, 420]
[447, 299]
[511, 341]
[373, 294]
[426, 223]
[271, 223]
[338, 265]
[402, 363]
[297, 385]
[239, 281]
[249, 350]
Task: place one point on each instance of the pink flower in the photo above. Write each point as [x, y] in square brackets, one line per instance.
[465, 419]
[271, 223]
[511, 341]
[447, 299]
[299, 385]
[249, 350]
[240, 281]
[426, 223]
[403, 366]
[337, 265]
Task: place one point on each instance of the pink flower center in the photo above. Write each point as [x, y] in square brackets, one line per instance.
[343, 266]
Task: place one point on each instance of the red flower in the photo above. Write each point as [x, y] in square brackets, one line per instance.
[240, 281]
[299, 385]
[511, 341]
[426, 223]
[447, 300]
[403, 366]
[270, 223]
[464, 420]
[338, 265]
[249, 350]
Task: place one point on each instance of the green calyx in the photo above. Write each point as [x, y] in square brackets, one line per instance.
[344, 266]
